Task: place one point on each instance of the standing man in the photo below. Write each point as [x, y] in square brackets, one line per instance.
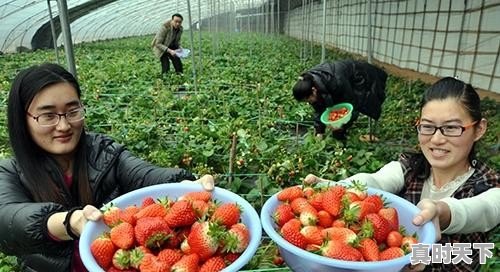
[355, 82]
[166, 41]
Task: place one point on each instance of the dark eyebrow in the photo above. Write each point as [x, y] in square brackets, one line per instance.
[51, 107]
[445, 122]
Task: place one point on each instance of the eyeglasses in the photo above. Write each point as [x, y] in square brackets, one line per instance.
[52, 119]
[446, 130]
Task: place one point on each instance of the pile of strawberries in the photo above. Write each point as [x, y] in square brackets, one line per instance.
[337, 114]
[191, 233]
[341, 222]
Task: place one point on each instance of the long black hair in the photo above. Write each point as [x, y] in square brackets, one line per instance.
[41, 174]
[464, 94]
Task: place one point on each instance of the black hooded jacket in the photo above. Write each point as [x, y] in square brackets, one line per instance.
[356, 82]
[112, 171]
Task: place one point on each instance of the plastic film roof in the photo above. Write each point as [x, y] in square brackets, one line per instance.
[102, 19]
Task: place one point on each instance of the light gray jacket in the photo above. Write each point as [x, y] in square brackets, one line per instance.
[164, 37]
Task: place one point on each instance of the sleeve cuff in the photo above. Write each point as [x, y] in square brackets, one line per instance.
[457, 214]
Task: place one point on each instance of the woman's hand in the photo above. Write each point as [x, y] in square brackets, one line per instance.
[431, 210]
[206, 181]
[80, 217]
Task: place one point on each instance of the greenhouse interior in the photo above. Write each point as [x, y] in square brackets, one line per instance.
[230, 109]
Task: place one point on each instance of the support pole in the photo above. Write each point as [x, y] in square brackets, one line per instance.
[66, 31]
[369, 34]
[191, 38]
[53, 29]
[323, 40]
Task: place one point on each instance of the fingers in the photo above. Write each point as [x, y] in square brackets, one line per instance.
[206, 181]
[310, 179]
[428, 212]
[92, 213]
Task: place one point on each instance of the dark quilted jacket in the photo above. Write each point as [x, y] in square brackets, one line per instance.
[112, 172]
[356, 82]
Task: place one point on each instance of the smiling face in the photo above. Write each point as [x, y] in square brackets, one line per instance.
[60, 139]
[444, 152]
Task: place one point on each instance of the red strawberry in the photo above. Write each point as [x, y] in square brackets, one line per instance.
[227, 214]
[299, 204]
[391, 253]
[127, 214]
[369, 248]
[308, 192]
[151, 263]
[282, 214]
[180, 214]
[203, 195]
[111, 215]
[338, 250]
[343, 235]
[278, 260]
[290, 193]
[357, 211]
[325, 220]
[122, 235]
[291, 232]
[332, 199]
[394, 239]
[391, 215]
[188, 263]
[339, 223]
[312, 234]
[308, 216]
[153, 210]
[316, 200]
[237, 238]
[376, 200]
[377, 227]
[147, 201]
[201, 208]
[213, 264]
[152, 232]
[121, 259]
[203, 239]
[170, 256]
[178, 235]
[231, 257]
[103, 249]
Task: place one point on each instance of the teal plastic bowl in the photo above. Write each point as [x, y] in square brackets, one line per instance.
[337, 123]
[301, 260]
[249, 217]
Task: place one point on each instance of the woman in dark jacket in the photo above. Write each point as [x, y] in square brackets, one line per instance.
[60, 173]
[355, 82]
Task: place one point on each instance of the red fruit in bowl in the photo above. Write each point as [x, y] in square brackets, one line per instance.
[338, 250]
[122, 235]
[237, 238]
[180, 214]
[103, 249]
[283, 214]
[214, 264]
[203, 239]
[376, 227]
[391, 253]
[391, 215]
[332, 199]
[111, 215]
[291, 232]
[227, 214]
[290, 193]
[152, 232]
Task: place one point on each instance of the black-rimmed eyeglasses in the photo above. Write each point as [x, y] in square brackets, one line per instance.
[52, 119]
[446, 130]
